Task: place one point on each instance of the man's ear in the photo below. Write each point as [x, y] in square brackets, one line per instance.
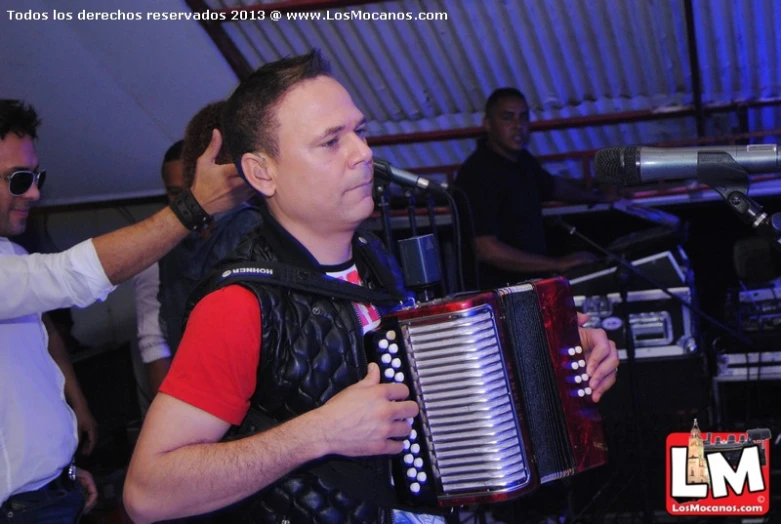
[259, 171]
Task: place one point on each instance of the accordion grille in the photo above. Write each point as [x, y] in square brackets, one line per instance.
[461, 381]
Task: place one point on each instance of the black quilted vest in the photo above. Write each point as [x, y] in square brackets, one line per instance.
[311, 349]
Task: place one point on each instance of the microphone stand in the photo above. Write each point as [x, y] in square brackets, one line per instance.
[384, 205]
[411, 208]
[625, 271]
[632, 270]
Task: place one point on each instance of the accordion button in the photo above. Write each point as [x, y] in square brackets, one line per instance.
[414, 487]
[383, 344]
[386, 358]
[413, 434]
[408, 459]
[418, 462]
[422, 477]
[415, 448]
[389, 373]
[396, 363]
[582, 363]
[393, 348]
[578, 349]
[585, 376]
[588, 391]
[412, 473]
[406, 445]
[574, 365]
[571, 352]
[399, 376]
[581, 393]
[390, 335]
[578, 380]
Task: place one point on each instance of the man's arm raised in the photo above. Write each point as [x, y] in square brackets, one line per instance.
[87, 272]
[128, 251]
[179, 469]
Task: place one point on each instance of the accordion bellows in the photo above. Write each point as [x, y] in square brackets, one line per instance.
[501, 381]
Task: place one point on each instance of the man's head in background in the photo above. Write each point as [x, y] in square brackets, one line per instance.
[19, 175]
[182, 157]
[297, 137]
[506, 122]
[197, 137]
[172, 171]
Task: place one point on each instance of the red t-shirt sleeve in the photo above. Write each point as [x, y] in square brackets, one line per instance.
[215, 367]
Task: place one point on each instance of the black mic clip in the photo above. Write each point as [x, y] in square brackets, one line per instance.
[730, 180]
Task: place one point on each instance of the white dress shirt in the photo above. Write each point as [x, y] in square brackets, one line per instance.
[151, 342]
[37, 428]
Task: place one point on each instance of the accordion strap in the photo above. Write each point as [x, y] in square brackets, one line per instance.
[285, 275]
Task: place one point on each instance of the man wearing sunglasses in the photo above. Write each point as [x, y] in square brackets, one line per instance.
[38, 429]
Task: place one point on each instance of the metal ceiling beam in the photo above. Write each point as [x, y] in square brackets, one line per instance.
[540, 125]
[694, 67]
[226, 46]
[569, 123]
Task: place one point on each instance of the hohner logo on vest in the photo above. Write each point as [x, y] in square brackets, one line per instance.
[501, 381]
[248, 271]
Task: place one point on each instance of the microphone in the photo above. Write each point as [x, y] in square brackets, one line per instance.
[639, 165]
[384, 170]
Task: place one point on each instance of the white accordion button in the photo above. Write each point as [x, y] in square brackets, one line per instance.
[578, 380]
[588, 391]
[408, 459]
[413, 434]
[414, 487]
[415, 448]
[386, 358]
[581, 393]
[574, 365]
[412, 473]
[393, 349]
[582, 363]
[399, 376]
[418, 462]
[578, 349]
[571, 351]
[584, 376]
[406, 445]
[390, 335]
[396, 363]
[389, 373]
[422, 477]
[383, 344]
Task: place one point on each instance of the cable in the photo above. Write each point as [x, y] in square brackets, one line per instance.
[457, 239]
[471, 222]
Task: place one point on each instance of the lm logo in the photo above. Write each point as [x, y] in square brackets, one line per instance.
[718, 473]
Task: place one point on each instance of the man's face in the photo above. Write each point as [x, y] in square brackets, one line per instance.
[323, 173]
[508, 126]
[173, 178]
[16, 153]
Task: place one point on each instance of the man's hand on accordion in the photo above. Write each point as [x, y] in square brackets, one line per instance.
[368, 418]
[601, 358]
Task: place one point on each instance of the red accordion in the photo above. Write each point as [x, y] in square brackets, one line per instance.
[500, 378]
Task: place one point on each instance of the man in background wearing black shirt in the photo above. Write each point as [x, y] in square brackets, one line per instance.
[505, 185]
